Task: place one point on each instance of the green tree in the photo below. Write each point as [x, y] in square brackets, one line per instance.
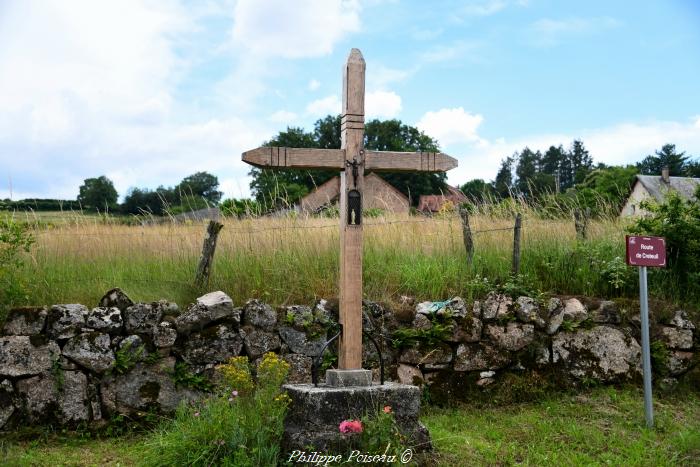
[677, 220]
[581, 161]
[692, 169]
[531, 181]
[552, 160]
[477, 190]
[392, 135]
[605, 189]
[288, 186]
[503, 184]
[200, 185]
[143, 200]
[98, 194]
[279, 186]
[667, 156]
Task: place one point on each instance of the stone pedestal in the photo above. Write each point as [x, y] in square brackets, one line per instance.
[347, 378]
[316, 412]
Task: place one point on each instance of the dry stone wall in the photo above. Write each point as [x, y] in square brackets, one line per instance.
[68, 364]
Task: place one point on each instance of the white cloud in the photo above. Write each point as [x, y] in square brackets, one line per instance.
[382, 104]
[427, 34]
[88, 89]
[547, 32]
[283, 116]
[314, 85]
[481, 8]
[378, 104]
[484, 7]
[380, 76]
[451, 126]
[324, 106]
[451, 52]
[626, 143]
[280, 28]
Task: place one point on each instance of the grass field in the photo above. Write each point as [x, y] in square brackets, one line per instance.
[604, 426]
[295, 260]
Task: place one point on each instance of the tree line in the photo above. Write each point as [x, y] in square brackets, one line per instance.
[569, 176]
[98, 194]
[275, 187]
[558, 177]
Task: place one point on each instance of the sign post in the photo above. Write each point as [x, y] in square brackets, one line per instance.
[646, 252]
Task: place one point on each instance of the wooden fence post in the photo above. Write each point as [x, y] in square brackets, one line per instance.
[581, 223]
[467, 233]
[516, 244]
[205, 262]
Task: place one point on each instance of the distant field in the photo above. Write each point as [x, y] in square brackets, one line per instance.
[38, 218]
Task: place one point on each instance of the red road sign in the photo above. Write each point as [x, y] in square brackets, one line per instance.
[646, 251]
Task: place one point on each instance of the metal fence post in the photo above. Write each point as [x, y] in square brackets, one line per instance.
[646, 357]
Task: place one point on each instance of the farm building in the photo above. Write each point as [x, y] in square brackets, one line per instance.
[657, 187]
[377, 194]
[433, 203]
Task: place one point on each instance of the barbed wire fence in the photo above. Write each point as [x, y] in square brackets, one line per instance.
[179, 232]
[181, 238]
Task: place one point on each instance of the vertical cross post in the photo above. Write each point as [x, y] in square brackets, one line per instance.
[351, 160]
[351, 184]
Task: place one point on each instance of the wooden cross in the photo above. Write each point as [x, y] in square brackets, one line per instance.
[352, 160]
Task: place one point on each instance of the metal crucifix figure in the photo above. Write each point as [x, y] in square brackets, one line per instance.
[352, 158]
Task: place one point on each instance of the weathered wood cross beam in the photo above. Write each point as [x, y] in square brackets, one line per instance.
[352, 161]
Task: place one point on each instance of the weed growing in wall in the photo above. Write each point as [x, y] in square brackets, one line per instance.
[15, 239]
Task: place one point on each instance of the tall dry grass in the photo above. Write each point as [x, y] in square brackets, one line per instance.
[295, 260]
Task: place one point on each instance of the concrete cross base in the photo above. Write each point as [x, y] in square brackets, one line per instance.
[315, 413]
[347, 378]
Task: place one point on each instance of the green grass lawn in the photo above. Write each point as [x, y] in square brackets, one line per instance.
[604, 426]
[601, 427]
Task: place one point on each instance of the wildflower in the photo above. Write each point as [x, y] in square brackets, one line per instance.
[351, 426]
[196, 414]
[234, 393]
[387, 409]
[230, 399]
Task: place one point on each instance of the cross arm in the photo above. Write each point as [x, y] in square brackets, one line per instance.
[295, 158]
[390, 161]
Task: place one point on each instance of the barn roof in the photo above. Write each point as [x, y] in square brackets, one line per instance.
[656, 187]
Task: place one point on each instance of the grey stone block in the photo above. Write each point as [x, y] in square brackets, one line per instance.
[347, 378]
[315, 414]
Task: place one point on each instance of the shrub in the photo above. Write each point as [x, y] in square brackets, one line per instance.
[241, 425]
[678, 221]
[14, 239]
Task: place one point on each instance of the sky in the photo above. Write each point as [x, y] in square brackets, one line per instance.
[147, 92]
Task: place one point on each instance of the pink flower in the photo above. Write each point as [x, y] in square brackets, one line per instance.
[234, 393]
[351, 426]
[387, 409]
[196, 414]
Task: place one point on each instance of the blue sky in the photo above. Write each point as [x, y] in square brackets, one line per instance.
[149, 91]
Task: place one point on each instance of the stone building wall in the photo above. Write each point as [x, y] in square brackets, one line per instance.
[68, 364]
